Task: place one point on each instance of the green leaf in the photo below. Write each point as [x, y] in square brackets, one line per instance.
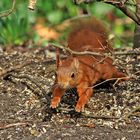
[55, 16]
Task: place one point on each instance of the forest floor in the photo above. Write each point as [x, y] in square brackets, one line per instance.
[113, 113]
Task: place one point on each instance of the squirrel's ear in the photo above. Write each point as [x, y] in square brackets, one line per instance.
[60, 62]
[75, 63]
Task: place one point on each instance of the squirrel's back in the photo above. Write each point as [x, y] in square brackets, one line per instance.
[88, 33]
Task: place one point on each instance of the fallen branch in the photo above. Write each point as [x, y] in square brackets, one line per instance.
[132, 52]
[75, 52]
[3, 126]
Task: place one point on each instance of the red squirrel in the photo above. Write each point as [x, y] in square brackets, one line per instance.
[83, 71]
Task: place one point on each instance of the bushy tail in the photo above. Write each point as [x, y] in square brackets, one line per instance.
[88, 33]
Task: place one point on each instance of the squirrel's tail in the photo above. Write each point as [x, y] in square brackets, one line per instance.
[88, 33]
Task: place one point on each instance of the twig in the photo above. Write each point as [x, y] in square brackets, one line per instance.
[125, 10]
[111, 79]
[137, 72]
[8, 12]
[131, 113]
[75, 52]
[133, 52]
[120, 5]
[100, 61]
[13, 125]
[129, 13]
[121, 78]
[104, 47]
[32, 4]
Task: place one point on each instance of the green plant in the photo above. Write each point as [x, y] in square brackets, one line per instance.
[13, 30]
[16, 27]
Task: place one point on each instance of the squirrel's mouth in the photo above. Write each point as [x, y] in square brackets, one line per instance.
[65, 85]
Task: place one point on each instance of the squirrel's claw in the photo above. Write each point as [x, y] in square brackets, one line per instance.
[55, 102]
[79, 108]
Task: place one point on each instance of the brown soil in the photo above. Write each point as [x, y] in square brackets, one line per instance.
[25, 82]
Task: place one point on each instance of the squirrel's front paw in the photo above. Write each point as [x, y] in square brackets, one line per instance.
[81, 103]
[55, 102]
[79, 107]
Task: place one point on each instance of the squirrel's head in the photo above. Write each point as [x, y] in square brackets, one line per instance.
[68, 73]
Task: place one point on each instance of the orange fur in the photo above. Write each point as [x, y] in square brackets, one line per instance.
[88, 33]
[83, 71]
[85, 75]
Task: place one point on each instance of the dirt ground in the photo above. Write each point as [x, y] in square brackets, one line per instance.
[113, 113]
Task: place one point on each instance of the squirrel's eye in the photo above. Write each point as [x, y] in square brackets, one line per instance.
[72, 75]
